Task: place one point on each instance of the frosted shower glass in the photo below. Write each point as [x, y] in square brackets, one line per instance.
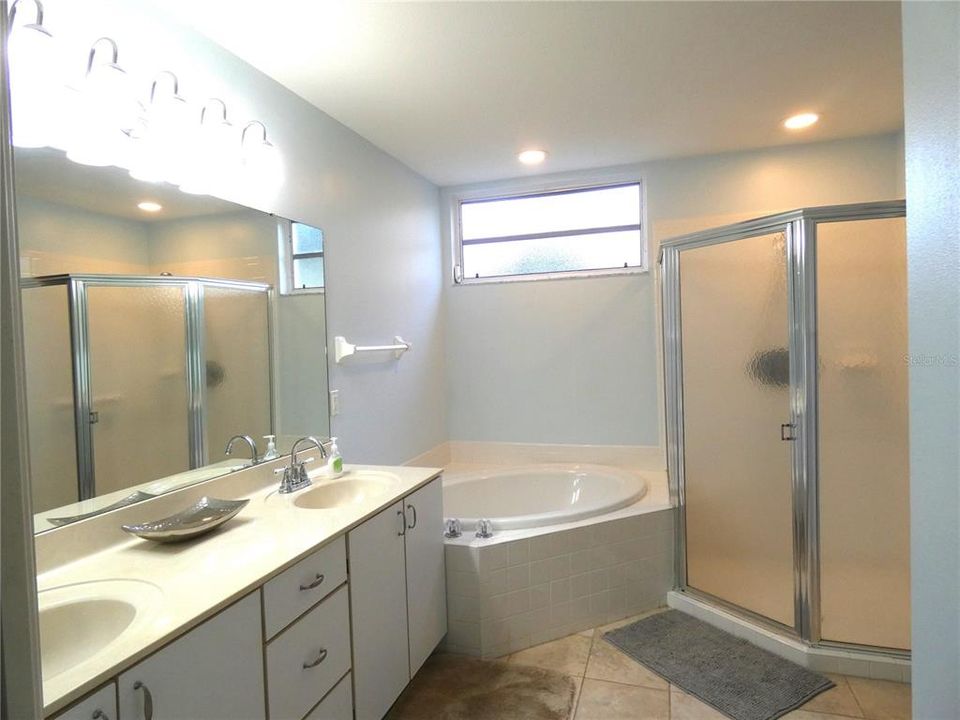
[737, 470]
[238, 368]
[50, 415]
[138, 384]
[864, 463]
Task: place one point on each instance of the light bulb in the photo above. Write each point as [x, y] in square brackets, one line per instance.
[106, 114]
[34, 86]
[160, 147]
[261, 161]
[801, 121]
[213, 155]
[532, 157]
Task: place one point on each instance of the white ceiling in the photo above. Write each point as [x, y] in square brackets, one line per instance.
[456, 89]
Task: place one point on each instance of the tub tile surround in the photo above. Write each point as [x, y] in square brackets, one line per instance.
[198, 578]
[525, 587]
[509, 595]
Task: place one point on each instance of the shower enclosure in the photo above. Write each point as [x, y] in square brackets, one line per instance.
[135, 378]
[785, 342]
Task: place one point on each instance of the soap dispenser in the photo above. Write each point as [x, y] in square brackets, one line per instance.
[334, 460]
[271, 453]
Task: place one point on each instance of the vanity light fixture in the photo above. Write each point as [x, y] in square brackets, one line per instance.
[800, 121]
[106, 112]
[213, 155]
[160, 140]
[34, 86]
[260, 158]
[532, 157]
[150, 206]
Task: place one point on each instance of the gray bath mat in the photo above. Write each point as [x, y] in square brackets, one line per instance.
[737, 678]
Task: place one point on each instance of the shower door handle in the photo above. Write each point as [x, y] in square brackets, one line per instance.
[786, 432]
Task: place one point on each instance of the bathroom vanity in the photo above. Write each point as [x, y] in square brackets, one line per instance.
[314, 604]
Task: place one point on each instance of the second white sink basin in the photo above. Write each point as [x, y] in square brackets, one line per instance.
[80, 622]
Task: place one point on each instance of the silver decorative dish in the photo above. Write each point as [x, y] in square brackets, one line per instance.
[136, 497]
[203, 516]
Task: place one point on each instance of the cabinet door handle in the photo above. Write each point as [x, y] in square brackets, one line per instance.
[317, 582]
[147, 700]
[99, 715]
[413, 524]
[320, 658]
[403, 523]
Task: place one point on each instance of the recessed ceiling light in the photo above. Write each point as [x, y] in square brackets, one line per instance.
[801, 121]
[532, 157]
[150, 206]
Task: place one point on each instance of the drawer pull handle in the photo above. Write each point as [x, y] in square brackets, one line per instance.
[99, 715]
[413, 523]
[320, 658]
[147, 700]
[315, 584]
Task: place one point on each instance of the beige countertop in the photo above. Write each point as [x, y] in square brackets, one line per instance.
[188, 582]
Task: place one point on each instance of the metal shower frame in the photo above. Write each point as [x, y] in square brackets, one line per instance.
[799, 228]
[195, 347]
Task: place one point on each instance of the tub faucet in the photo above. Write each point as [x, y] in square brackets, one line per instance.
[295, 474]
[249, 441]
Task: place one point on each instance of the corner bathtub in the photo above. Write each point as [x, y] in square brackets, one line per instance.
[529, 496]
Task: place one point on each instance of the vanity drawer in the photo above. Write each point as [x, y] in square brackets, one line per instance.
[308, 658]
[103, 701]
[338, 705]
[297, 589]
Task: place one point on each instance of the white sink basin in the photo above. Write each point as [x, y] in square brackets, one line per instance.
[350, 489]
[80, 622]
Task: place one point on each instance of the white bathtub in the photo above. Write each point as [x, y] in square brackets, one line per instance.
[528, 496]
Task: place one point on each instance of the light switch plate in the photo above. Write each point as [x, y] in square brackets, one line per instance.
[334, 403]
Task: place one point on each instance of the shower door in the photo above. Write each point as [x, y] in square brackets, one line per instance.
[733, 371]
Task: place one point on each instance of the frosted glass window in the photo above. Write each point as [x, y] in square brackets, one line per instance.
[596, 228]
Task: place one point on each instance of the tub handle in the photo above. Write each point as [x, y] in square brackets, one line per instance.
[403, 523]
[413, 524]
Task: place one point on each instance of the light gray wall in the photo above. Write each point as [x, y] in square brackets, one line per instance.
[379, 219]
[576, 360]
[931, 64]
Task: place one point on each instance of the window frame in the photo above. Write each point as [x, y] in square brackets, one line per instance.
[288, 257]
[524, 188]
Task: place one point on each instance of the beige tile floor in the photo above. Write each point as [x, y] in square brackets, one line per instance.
[611, 686]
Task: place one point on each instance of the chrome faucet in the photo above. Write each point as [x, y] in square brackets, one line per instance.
[295, 474]
[255, 458]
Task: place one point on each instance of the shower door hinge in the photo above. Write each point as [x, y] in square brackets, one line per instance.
[94, 417]
[786, 432]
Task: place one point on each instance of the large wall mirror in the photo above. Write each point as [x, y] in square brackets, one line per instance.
[159, 325]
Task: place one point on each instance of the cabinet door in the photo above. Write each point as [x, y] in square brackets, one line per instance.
[426, 580]
[214, 672]
[378, 605]
[103, 701]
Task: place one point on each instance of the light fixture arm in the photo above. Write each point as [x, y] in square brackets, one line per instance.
[263, 132]
[175, 88]
[223, 109]
[93, 52]
[38, 19]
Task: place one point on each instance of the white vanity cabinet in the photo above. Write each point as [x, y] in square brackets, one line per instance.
[214, 672]
[99, 705]
[397, 597]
